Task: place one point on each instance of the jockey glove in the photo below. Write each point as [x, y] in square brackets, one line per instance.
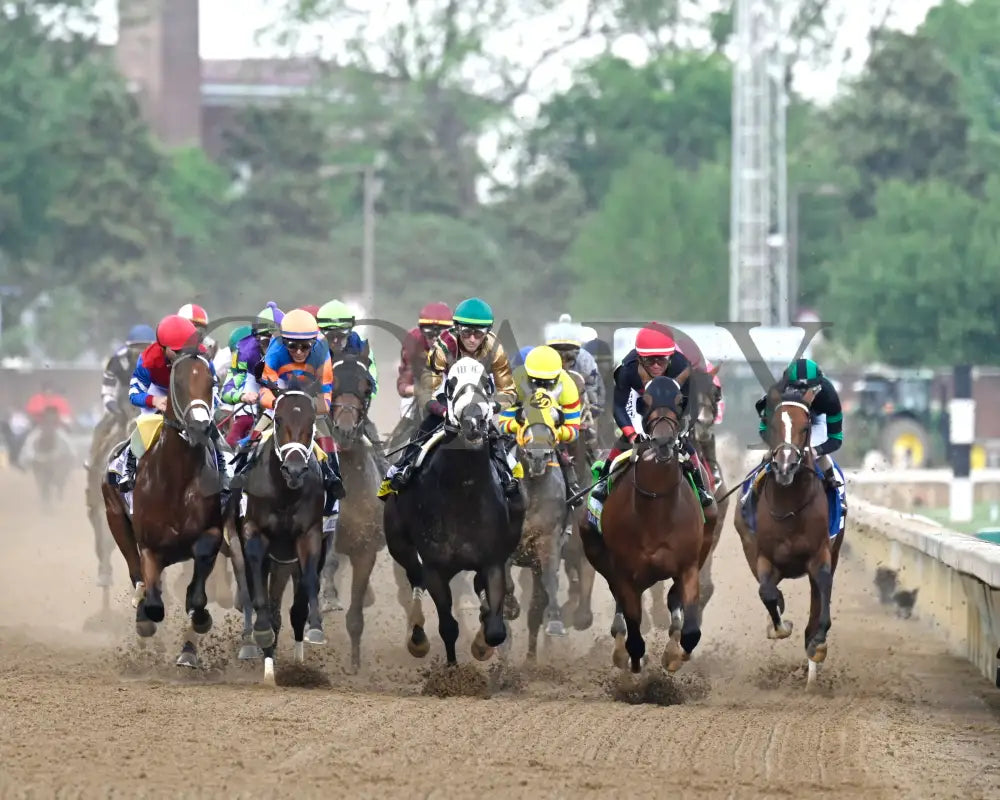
[436, 407]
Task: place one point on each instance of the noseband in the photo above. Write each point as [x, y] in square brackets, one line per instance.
[788, 444]
[285, 450]
[336, 409]
[182, 424]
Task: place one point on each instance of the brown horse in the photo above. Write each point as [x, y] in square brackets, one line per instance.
[653, 529]
[359, 530]
[281, 531]
[177, 510]
[792, 531]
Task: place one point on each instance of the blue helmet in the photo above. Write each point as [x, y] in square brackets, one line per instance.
[522, 354]
[140, 334]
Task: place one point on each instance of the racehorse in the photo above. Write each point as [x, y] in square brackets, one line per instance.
[177, 510]
[359, 535]
[791, 537]
[48, 453]
[545, 522]
[280, 535]
[706, 398]
[652, 528]
[454, 516]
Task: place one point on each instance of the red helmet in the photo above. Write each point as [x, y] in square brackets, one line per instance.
[314, 310]
[435, 314]
[654, 341]
[193, 312]
[176, 332]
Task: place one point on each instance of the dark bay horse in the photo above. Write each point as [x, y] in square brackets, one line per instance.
[177, 514]
[103, 442]
[653, 529]
[454, 516]
[359, 531]
[543, 532]
[792, 532]
[280, 534]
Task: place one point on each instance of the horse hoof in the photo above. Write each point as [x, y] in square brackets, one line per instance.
[673, 656]
[494, 632]
[269, 671]
[783, 631]
[138, 594]
[250, 652]
[418, 644]
[511, 608]
[315, 636]
[187, 658]
[555, 628]
[104, 579]
[330, 604]
[201, 621]
[155, 612]
[299, 652]
[264, 638]
[582, 620]
[145, 628]
[620, 657]
[480, 650]
[819, 654]
[812, 674]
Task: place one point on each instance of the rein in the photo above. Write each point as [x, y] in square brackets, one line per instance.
[674, 451]
[800, 454]
[286, 449]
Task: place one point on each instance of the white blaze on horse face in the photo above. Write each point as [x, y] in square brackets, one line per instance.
[200, 414]
[465, 373]
[786, 420]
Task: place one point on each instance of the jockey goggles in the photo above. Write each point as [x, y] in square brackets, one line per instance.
[661, 361]
[297, 344]
[544, 383]
[432, 331]
[473, 333]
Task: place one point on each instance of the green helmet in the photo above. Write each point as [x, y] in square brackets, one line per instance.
[238, 334]
[268, 319]
[474, 313]
[335, 315]
[804, 370]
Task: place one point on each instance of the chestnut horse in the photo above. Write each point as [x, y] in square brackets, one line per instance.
[177, 510]
[792, 536]
[651, 529]
[281, 531]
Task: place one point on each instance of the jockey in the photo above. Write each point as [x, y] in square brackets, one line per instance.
[655, 354]
[314, 310]
[199, 317]
[827, 433]
[470, 337]
[114, 387]
[150, 386]
[298, 358]
[542, 371]
[241, 388]
[434, 319]
[565, 338]
[336, 321]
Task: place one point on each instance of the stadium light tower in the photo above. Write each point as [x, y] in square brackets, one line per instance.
[758, 244]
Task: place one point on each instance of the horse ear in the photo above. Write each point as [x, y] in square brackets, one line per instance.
[647, 400]
[810, 395]
[715, 370]
[773, 396]
[683, 376]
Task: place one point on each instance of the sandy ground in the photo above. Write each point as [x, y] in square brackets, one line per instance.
[94, 714]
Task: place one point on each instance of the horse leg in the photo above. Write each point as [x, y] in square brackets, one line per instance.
[583, 617]
[511, 608]
[248, 648]
[631, 605]
[619, 657]
[205, 551]
[152, 602]
[494, 629]
[535, 611]
[275, 579]
[771, 597]
[550, 549]
[440, 591]
[821, 584]
[124, 536]
[308, 549]
[685, 619]
[305, 598]
[362, 565]
[405, 556]
[328, 582]
[255, 551]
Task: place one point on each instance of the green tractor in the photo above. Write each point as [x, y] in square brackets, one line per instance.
[896, 413]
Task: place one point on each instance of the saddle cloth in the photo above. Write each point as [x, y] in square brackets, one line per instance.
[836, 500]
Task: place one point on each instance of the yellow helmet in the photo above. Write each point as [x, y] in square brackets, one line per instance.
[299, 324]
[543, 363]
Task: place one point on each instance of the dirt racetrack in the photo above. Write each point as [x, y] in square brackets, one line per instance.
[87, 714]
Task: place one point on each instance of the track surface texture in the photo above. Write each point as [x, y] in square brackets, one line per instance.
[92, 714]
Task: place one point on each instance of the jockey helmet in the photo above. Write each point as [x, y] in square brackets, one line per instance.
[193, 312]
[564, 336]
[314, 310]
[651, 342]
[299, 324]
[268, 319]
[473, 313]
[543, 363]
[804, 371]
[175, 332]
[522, 354]
[238, 335]
[438, 314]
[336, 316]
[140, 334]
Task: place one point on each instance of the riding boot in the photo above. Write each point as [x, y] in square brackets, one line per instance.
[704, 496]
[830, 480]
[126, 482]
[511, 485]
[600, 490]
[569, 475]
[220, 462]
[332, 483]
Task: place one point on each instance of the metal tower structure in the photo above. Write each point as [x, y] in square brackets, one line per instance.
[758, 255]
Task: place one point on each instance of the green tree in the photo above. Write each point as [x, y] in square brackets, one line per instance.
[658, 246]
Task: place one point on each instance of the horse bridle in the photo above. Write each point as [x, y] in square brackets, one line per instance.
[664, 452]
[286, 449]
[799, 453]
[181, 424]
[337, 408]
[548, 452]
[478, 389]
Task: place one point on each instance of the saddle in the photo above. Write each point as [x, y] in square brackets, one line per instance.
[245, 458]
[836, 499]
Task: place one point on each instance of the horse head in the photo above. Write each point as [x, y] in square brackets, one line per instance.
[294, 429]
[661, 399]
[467, 392]
[352, 391]
[190, 399]
[789, 429]
[706, 396]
